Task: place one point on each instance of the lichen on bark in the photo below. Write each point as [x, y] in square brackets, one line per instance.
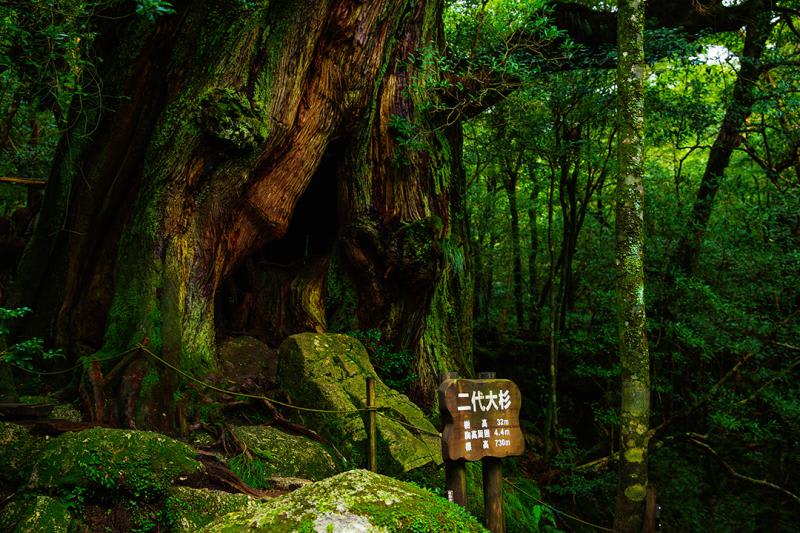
[633, 349]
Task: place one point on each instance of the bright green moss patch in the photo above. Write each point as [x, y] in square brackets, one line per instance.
[328, 372]
[353, 501]
[112, 462]
[635, 492]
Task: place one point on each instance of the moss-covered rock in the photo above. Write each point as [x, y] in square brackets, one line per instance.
[287, 455]
[37, 513]
[328, 371]
[140, 464]
[247, 360]
[353, 501]
[16, 448]
[190, 509]
[65, 411]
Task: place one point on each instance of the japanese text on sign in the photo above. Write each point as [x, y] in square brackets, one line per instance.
[482, 419]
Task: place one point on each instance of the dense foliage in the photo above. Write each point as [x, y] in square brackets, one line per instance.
[722, 336]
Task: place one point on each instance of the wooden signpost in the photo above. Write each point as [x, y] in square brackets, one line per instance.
[481, 422]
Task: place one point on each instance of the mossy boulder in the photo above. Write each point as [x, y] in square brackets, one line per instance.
[37, 513]
[328, 371]
[287, 455]
[247, 363]
[138, 464]
[16, 448]
[65, 411]
[357, 501]
[190, 509]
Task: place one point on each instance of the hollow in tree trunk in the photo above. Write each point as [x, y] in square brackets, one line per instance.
[241, 153]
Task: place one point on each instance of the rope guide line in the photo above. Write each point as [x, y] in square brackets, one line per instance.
[73, 367]
[284, 404]
[573, 517]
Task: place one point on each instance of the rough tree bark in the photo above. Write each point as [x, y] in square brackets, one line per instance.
[633, 351]
[250, 141]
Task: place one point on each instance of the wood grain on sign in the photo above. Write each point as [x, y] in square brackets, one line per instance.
[481, 418]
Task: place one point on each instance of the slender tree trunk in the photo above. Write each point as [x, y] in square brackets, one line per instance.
[8, 122]
[533, 251]
[551, 424]
[569, 215]
[728, 138]
[484, 255]
[634, 357]
[510, 182]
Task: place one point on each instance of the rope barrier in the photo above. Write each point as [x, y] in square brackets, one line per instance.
[412, 426]
[284, 404]
[244, 394]
[225, 391]
[73, 367]
[573, 517]
[291, 406]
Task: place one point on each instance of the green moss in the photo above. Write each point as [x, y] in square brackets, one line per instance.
[634, 455]
[278, 453]
[66, 411]
[37, 513]
[16, 448]
[149, 381]
[187, 509]
[232, 119]
[341, 299]
[636, 492]
[329, 372]
[355, 499]
[112, 463]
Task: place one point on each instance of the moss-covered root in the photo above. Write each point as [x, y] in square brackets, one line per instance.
[353, 501]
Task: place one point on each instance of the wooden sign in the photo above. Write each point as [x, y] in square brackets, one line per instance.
[481, 418]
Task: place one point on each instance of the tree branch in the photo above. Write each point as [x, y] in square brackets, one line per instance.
[705, 398]
[742, 477]
[24, 181]
[595, 28]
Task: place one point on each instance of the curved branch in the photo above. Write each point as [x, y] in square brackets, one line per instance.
[760, 482]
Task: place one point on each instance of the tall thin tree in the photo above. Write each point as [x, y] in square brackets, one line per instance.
[634, 357]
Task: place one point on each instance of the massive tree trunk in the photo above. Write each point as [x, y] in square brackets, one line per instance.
[238, 166]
